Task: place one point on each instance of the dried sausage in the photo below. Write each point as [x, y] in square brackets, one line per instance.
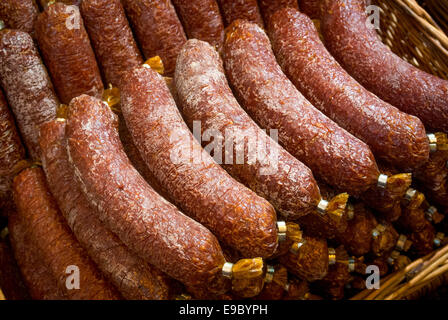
[360, 51]
[157, 28]
[134, 278]
[269, 7]
[54, 240]
[333, 154]
[200, 187]
[27, 86]
[130, 208]
[111, 38]
[201, 20]
[67, 52]
[19, 14]
[11, 153]
[395, 137]
[240, 9]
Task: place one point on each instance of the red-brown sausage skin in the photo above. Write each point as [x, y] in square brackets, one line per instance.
[19, 14]
[395, 137]
[157, 28]
[360, 51]
[333, 154]
[269, 7]
[149, 225]
[27, 86]
[54, 240]
[201, 20]
[205, 97]
[200, 187]
[111, 38]
[134, 278]
[240, 9]
[11, 152]
[67, 52]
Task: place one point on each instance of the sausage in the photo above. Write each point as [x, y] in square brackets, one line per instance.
[413, 218]
[240, 9]
[11, 153]
[67, 52]
[359, 50]
[11, 280]
[54, 240]
[269, 7]
[200, 187]
[423, 240]
[41, 284]
[311, 8]
[27, 86]
[395, 137]
[45, 3]
[135, 279]
[19, 14]
[112, 40]
[205, 97]
[333, 154]
[158, 30]
[130, 208]
[201, 20]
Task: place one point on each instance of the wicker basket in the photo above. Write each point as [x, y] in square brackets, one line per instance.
[413, 34]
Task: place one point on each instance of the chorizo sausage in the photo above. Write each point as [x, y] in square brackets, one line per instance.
[11, 153]
[135, 279]
[310, 7]
[240, 9]
[157, 28]
[200, 187]
[130, 208]
[205, 97]
[333, 154]
[19, 14]
[201, 20]
[269, 7]
[395, 137]
[67, 52]
[359, 50]
[46, 3]
[41, 284]
[112, 40]
[27, 86]
[54, 240]
[11, 280]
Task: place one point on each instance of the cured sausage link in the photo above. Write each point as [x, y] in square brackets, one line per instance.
[133, 277]
[270, 98]
[158, 30]
[53, 239]
[19, 14]
[27, 86]
[112, 40]
[240, 9]
[360, 51]
[269, 7]
[394, 137]
[130, 208]
[67, 52]
[200, 187]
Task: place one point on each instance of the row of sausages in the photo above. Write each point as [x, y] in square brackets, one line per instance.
[334, 155]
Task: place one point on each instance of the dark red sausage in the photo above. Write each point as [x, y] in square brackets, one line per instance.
[67, 52]
[240, 9]
[111, 38]
[201, 20]
[133, 277]
[19, 14]
[44, 3]
[157, 28]
[198, 185]
[54, 240]
[205, 97]
[311, 8]
[360, 51]
[27, 86]
[130, 208]
[269, 7]
[333, 154]
[395, 137]
[11, 152]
